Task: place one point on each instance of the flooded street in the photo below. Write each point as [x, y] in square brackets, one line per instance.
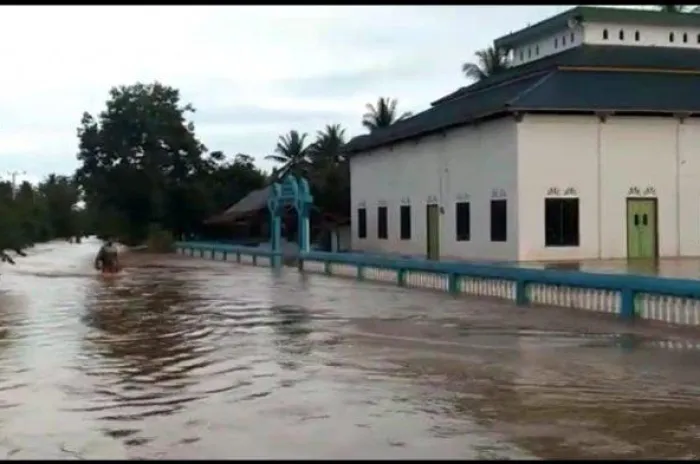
[186, 358]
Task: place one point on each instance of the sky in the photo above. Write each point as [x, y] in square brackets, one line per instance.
[252, 72]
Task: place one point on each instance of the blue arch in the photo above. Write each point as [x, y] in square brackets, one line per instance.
[295, 192]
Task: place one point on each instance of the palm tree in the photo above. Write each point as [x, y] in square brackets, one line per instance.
[329, 142]
[292, 152]
[325, 155]
[489, 61]
[384, 114]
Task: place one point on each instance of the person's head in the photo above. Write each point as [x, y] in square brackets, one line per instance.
[108, 242]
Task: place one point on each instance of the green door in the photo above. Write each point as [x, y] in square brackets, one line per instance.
[433, 228]
[641, 228]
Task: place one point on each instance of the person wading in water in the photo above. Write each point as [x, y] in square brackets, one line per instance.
[107, 258]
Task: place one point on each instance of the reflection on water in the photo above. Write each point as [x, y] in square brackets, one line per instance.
[186, 358]
[145, 346]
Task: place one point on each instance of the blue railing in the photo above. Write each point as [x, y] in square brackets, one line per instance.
[629, 287]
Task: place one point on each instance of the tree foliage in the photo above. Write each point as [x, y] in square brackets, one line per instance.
[144, 176]
[142, 165]
[383, 114]
[489, 62]
[31, 214]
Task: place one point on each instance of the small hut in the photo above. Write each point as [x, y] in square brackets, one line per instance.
[248, 223]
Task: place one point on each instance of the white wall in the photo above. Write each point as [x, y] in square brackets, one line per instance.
[655, 36]
[602, 161]
[592, 34]
[341, 238]
[467, 163]
[549, 45]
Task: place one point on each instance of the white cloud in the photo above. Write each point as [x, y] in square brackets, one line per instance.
[303, 66]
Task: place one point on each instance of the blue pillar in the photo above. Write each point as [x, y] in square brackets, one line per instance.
[275, 235]
[304, 239]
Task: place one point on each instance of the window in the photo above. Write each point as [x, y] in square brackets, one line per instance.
[522, 56]
[685, 38]
[698, 38]
[561, 222]
[621, 34]
[361, 223]
[605, 34]
[499, 221]
[636, 36]
[537, 49]
[462, 221]
[563, 41]
[529, 53]
[382, 223]
[556, 42]
[572, 37]
[671, 37]
[405, 222]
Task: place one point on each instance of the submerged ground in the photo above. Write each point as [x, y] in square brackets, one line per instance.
[186, 358]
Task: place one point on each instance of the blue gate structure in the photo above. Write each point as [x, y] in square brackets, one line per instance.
[291, 191]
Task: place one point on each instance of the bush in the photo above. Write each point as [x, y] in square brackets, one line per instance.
[159, 240]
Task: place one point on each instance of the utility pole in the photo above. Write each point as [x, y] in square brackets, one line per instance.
[13, 175]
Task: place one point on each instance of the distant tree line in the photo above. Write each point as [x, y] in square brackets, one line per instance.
[31, 214]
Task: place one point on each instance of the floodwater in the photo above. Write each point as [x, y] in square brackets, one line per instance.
[187, 358]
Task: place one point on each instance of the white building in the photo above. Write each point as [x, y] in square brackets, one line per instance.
[587, 148]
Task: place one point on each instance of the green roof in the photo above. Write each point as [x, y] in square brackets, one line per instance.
[620, 92]
[596, 14]
[612, 56]
[560, 88]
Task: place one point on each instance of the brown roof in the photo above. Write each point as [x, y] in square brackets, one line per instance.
[254, 201]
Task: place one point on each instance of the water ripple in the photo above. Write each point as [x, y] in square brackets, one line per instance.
[186, 358]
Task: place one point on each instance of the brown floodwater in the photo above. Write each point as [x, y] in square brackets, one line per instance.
[186, 358]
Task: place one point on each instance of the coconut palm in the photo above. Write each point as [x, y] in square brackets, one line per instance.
[329, 142]
[383, 114]
[292, 152]
[489, 61]
[325, 155]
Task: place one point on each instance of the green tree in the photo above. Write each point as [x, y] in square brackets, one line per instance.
[330, 171]
[292, 152]
[141, 162]
[489, 62]
[60, 196]
[30, 214]
[325, 154]
[383, 114]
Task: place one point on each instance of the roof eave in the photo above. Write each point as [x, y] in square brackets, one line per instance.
[607, 111]
[538, 29]
[474, 120]
[525, 110]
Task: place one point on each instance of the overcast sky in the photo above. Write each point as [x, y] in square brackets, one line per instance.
[252, 72]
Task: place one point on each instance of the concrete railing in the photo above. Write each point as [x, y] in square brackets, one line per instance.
[675, 301]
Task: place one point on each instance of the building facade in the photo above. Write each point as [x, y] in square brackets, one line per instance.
[588, 147]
